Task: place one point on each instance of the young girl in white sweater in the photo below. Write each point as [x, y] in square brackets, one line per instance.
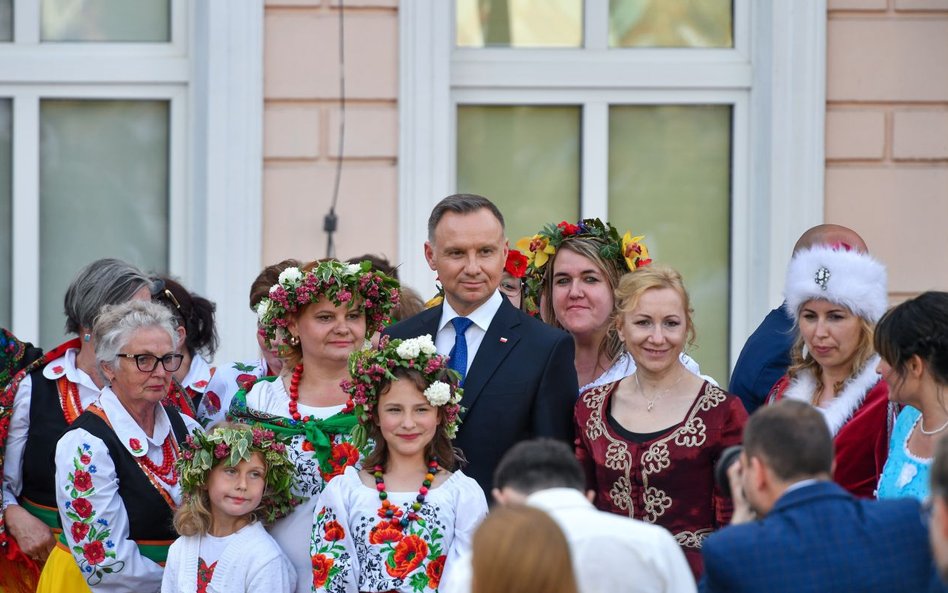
[232, 477]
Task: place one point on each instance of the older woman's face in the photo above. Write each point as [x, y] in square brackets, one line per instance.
[133, 385]
[831, 333]
[655, 330]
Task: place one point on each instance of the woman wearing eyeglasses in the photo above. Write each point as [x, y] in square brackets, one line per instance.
[116, 480]
[41, 401]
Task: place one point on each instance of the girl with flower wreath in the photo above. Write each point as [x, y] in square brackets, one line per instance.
[393, 525]
[231, 477]
[319, 314]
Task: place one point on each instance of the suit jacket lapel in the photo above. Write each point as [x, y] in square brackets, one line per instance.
[491, 353]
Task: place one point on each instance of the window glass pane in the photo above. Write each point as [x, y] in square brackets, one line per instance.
[669, 178]
[106, 20]
[103, 193]
[6, 211]
[525, 159]
[6, 20]
[519, 23]
[671, 23]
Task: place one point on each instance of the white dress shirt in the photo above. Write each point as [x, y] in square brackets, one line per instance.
[481, 317]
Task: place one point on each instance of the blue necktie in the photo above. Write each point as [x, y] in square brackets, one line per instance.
[458, 354]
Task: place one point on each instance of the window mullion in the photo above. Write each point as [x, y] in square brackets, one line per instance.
[26, 223]
[596, 24]
[26, 22]
[594, 201]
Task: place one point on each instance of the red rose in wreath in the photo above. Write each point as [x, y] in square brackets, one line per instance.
[82, 480]
[409, 554]
[93, 552]
[82, 507]
[568, 229]
[333, 531]
[434, 571]
[79, 532]
[321, 566]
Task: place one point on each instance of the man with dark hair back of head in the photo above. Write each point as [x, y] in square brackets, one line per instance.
[765, 357]
[938, 525]
[611, 553]
[518, 373]
[795, 531]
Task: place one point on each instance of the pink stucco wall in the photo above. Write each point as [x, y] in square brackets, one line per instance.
[887, 134]
[301, 127]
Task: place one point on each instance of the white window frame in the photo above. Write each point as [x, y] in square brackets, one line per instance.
[774, 78]
[211, 75]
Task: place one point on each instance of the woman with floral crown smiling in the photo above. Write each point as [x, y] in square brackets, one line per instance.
[319, 315]
[572, 271]
[393, 525]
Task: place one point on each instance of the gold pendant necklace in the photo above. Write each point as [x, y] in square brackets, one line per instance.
[651, 401]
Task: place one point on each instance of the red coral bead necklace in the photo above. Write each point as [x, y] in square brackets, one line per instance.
[295, 393]
[388, 509]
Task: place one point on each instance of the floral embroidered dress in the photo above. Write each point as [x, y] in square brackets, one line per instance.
[860, 419]
[327, 436]
[666, 478]
[99, 524]
[227, 380]
[355, 549]
[38, 405]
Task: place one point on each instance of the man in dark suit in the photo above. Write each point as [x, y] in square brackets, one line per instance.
[519, 374]
[938, 523]
[765, 357]
[811, 535]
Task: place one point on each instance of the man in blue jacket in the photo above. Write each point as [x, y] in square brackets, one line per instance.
[795, 531]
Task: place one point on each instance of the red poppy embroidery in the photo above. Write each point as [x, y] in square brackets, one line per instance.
[213, 401]
[333, 531]
[79, 531]
[245, 381]
[93, 552]
[321, 566]
[85, 459]
[409, 554]
[385, 532]
[82, 507]
[434, 571]
[82, 480]
[135, 444]
[200, 384]
[58, 369]
[343, 455]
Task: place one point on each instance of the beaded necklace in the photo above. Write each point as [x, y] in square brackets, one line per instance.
[388, 509]
[295, 393]
[166, 472]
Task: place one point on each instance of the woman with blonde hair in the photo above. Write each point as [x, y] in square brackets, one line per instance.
[835, 296]
[649, 442]
[521, 549]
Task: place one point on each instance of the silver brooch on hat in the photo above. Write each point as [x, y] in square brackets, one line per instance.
[822, 277]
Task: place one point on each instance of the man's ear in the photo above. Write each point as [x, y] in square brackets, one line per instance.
[761, 476]
[430, 256]
[498, 496]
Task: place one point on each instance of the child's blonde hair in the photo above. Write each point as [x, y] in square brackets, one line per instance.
[232, 443]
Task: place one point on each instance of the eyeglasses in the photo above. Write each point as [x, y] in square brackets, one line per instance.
[511, 287]
[147, 363]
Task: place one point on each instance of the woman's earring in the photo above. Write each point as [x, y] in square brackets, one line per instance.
[86, 337]
[294, 341]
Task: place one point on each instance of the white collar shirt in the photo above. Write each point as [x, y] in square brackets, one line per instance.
[481, 318]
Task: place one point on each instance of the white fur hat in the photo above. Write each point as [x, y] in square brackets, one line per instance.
[849, 278]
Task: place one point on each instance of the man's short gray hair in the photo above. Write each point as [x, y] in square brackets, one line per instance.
[461, 204]
[103, 282]
[117, 323]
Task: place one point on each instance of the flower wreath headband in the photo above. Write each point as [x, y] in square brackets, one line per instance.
[337, 281]
[231, 445]
[370, 366]
[628, 251]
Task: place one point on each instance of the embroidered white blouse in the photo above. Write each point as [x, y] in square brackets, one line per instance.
[228, 379]
[20, 420]
[250, 561]
[99, 525]
[353, 549]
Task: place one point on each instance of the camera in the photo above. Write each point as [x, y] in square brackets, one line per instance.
[728, 458]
